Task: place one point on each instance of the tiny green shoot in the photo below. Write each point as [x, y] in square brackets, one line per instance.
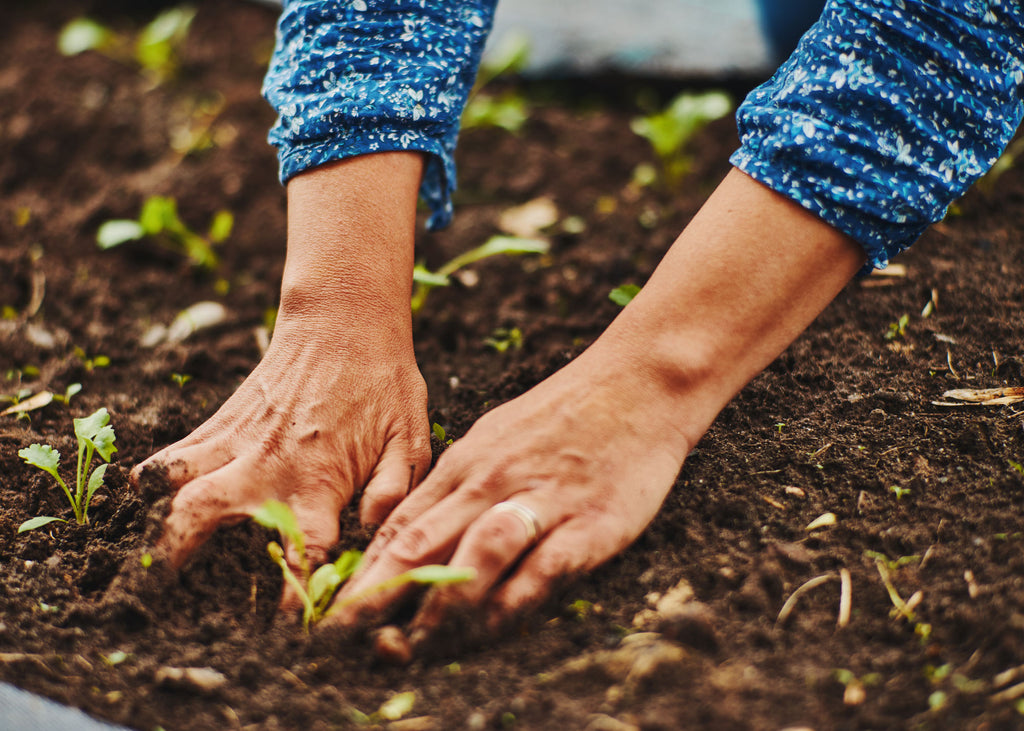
[95, 437]
[440, 433]
[670, 130]
[426, 280]
[1016, 465]
[508, 110]
[70, 391]
[504, 338]
[899, 328]
[392, 709]
[624, 294]
[899, 491]
[154, 50]
[180, 379]
[91, 363]
[159, 220]
[316, 590]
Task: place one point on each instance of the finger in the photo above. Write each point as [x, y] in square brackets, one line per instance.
[577, 546]
[317, 517]
[184, 464]
[401, 468]
[492, 545]
[223, 495]
[431, 538]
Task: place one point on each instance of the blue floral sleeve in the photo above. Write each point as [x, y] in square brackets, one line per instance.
[886, 112]
[350, 77]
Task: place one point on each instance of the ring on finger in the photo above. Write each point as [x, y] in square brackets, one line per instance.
[526, 516]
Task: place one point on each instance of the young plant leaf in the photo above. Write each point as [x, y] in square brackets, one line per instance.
[221, 226]
[82, 34]
[277, 515]
[38, 522]
[347, 563]
[422, 275]
[118, 231]
[438, 574]
[104, 443]
[624, 294]
[322, 586]
[42, 456]
[95, 481]
[88, 427]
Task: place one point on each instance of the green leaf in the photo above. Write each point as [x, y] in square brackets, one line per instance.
[42, 456]
[95, 482]
[439, 574]
[347, 563]
[159, 214]
[73, 389]
[116, 232]
[87, 428]
[624, 294]
[276, 514]
[438, 431]
[82, 34]
[221, 226]
[38, 522]
[323, 584]
[422, 275]
[397, 706]
[104, 443]
[493, 246]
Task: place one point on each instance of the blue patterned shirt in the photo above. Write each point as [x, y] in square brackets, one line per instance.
[886, 112]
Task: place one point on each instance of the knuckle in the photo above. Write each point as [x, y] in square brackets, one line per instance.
[411, 546]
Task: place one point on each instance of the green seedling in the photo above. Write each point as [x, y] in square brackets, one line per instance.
[154, 50]
[159, 221]
[670, 130]
[898, 329]
[426, 280]
[508, 110]
[1017, 466]
[440, 433]
[504, 338]
[91, 363]
[892, 564]
[624, 294]
[316, 590]
[95, 437]
[899, 491]
[180, 379]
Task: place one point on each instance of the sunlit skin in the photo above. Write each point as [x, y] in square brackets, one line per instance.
[338, 406]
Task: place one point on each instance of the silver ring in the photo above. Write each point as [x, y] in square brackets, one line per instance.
[528, 518]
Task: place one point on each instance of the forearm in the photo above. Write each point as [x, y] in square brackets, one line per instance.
[351, 229]
[750, 272]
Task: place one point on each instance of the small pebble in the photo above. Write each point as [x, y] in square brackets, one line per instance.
[201, 679]
[390, 645]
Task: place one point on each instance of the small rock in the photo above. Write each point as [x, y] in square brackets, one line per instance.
[476, 721]
[602, 722]
[419, 723]
[390, 645]
[205, 680]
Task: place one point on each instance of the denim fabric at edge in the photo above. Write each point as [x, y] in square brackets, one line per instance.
[885, 113]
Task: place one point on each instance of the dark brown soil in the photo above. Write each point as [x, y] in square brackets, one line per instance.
[833, 425]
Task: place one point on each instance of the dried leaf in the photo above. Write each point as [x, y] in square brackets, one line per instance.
[38, 401]
[987, 396]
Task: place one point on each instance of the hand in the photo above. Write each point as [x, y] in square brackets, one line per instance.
[322, 416]
[592, 452]
[337, 404]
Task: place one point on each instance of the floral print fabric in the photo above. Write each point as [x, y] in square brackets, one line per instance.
[351, 77]
[886, 112]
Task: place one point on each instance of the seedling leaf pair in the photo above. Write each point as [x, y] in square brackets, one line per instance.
[317, 590]
[159, 220]
[95, 436]
[671, 130]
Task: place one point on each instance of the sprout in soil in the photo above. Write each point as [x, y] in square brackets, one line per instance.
[427, 280]
[508, 110]
[159, 221]
[440, 433]
[317, 589]
[624, 294]
[670, 130]
[95, 437]
[899, 491]
[898, 329]
[91, 363]
[155, 49]
[504, 338]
